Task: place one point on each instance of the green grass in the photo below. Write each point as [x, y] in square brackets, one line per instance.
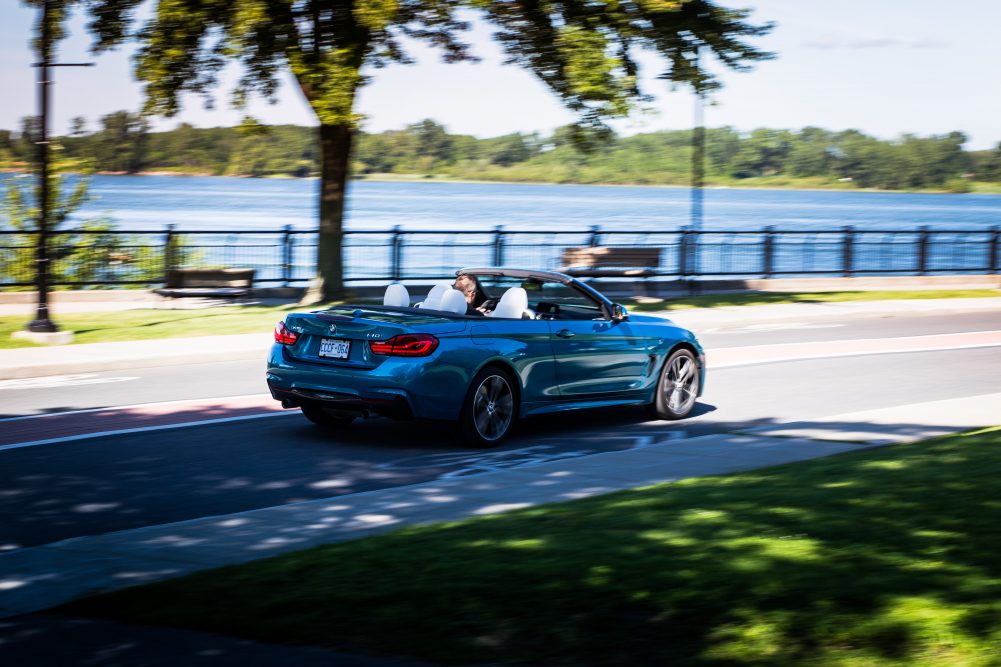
[766, 298]
[103, 327]
[882, 557]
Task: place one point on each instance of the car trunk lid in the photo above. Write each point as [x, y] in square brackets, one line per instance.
[341, 335]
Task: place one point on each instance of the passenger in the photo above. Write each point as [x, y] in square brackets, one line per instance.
[471, 289]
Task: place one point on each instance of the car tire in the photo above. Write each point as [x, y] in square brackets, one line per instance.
[677, 387]
[321, 417]
[490, 408]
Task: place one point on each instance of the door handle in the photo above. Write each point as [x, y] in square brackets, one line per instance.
[565, 333]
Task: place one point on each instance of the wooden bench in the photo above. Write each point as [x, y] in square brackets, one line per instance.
[215, 283]
[611, 261]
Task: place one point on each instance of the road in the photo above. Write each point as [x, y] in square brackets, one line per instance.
[90, 486]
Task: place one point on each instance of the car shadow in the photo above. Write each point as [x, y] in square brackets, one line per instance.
[381, 433]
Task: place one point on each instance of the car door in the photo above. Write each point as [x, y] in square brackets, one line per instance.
[601, 358]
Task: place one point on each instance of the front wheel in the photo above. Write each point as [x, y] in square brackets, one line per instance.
[321, 417]
[488, 413]
[677, 388]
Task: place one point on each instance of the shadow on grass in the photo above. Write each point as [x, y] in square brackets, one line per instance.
[884, 556]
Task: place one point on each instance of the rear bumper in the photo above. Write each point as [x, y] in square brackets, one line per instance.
[387, 405]
[424, 388]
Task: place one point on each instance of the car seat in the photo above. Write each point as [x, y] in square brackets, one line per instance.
[433, 299]
[513, 305]
[453, 301]
[396, 296]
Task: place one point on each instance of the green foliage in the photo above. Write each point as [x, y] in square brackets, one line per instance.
[812, 157]
[585, 52]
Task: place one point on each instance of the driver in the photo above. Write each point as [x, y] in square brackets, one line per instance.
[471, 289]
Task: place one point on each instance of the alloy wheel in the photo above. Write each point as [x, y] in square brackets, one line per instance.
[679, 384]
[493, 407]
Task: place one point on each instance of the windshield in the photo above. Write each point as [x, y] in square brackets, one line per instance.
[549, 299]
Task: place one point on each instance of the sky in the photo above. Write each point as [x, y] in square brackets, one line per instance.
[886, 67]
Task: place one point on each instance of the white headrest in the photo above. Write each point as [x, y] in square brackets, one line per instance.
[396, 296]
[453, 301]
[433, 298]
[512, 304]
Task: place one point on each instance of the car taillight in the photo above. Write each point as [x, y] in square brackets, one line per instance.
[405, 345]
[285, 336]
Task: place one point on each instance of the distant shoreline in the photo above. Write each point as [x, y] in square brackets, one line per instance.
[419, 178]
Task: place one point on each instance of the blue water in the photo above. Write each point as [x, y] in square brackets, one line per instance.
[627, 216]
[190, 203]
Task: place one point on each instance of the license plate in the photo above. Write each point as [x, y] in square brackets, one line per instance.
[335, 348]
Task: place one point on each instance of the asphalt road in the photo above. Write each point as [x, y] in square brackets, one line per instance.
[102, 484]
[135, 386]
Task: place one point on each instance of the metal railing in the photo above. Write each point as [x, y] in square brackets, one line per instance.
[287, 257]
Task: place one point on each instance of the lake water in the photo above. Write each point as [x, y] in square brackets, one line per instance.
[150, 202]
[627, 216]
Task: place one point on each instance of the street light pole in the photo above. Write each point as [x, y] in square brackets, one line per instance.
[42, 323]
[698, 174]
[698, 151]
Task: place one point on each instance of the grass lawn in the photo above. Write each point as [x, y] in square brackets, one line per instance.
[102, 327]
[766, 298]
[883, 557]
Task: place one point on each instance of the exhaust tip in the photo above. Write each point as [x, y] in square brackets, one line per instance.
[287, 404]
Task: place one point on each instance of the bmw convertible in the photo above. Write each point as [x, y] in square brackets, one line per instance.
[494, 346]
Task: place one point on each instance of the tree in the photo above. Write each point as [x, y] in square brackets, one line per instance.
[434, 145]
[121, 143]
[78, 126]
[585, 51]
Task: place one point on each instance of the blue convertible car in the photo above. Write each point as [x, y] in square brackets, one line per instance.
[508, 343]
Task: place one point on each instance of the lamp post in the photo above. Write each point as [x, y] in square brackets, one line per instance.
[42, 324]
[698, 173]
[698, 150]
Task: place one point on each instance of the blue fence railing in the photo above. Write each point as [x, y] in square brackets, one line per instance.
[288, 256]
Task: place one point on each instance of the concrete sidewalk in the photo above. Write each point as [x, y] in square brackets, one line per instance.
[94, 357]
[37, 578]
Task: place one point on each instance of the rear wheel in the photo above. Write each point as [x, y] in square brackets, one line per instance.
[677, 388]
[321, 417]
[489, 410]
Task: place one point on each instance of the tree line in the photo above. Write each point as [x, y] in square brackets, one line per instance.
[123, 143]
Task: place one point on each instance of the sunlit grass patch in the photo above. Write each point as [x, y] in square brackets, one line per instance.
[881, 557]
[146, 324]
[649, 304]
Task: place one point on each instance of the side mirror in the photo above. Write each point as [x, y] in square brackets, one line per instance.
[619, 313]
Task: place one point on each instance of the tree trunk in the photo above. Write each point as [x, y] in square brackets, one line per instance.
[335, 155]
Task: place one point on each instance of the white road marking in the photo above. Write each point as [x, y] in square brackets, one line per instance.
[54, 381]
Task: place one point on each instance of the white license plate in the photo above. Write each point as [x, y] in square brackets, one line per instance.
[335, 348]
